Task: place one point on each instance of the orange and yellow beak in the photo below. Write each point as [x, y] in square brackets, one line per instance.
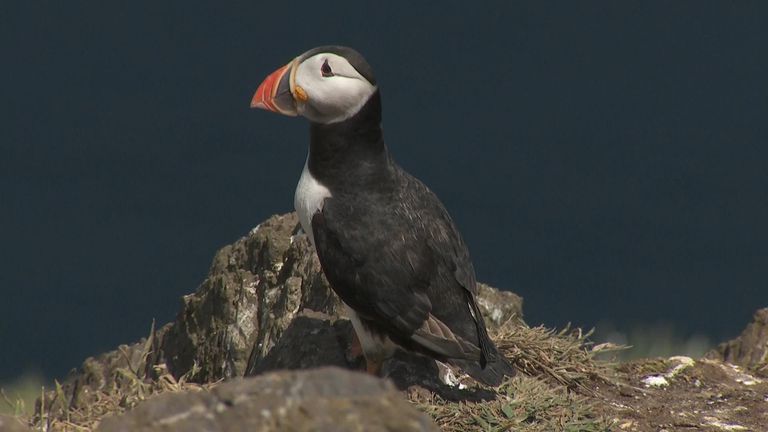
[278, 91]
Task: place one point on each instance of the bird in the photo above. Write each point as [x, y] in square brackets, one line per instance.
[385, 242]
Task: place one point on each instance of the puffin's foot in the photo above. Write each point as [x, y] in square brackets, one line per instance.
[354, 353]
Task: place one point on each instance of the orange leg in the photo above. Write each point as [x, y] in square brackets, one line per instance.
[373, 367]
[355, 351]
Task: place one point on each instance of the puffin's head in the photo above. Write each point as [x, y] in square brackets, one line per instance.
[327, 84]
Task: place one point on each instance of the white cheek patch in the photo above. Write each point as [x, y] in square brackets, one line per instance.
[331, 99]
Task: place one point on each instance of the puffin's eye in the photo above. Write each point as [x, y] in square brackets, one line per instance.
[325, 69]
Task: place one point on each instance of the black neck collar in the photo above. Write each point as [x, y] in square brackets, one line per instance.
[350, 152]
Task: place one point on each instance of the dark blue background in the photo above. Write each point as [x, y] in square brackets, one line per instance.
[606, 160]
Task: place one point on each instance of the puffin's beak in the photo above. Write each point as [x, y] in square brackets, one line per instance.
[276, 91]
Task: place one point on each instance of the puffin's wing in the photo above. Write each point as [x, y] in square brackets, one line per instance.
[437, 337]
[386, 281]
[456, 272]
[379, 286]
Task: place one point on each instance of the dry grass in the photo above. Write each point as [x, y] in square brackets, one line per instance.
[565, 357]
[58, 414]
[554, 391]
[128, 386]
[522, 404]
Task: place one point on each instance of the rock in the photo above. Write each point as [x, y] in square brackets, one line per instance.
[498, 306]
[12, 424]
[325, 399]
[750, 349]
[312, 339]
[265, 305]
[253, 291]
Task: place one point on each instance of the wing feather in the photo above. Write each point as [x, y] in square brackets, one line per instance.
[400, 263]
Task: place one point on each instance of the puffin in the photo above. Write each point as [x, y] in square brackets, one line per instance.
[386, 244]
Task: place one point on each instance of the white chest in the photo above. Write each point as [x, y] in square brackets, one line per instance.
[309, 198]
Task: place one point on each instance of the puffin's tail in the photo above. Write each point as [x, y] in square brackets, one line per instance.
[491, 375]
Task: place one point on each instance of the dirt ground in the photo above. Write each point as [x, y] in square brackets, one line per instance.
[680, 394]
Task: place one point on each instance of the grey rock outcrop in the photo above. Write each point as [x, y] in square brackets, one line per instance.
[265, 305]
[254, 290]
[750, 349]
[325, 399]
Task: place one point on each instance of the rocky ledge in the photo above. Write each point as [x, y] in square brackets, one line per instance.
[266, 312]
